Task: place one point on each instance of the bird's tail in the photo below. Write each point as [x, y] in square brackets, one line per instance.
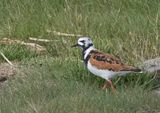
[137, 70]
[132, 69]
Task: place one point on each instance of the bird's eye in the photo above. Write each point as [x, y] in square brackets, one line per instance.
[82, 41]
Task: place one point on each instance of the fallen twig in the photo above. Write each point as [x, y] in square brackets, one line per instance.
[40, 40]
[32, 46]
[62, 34]
[9, 62]
[35, 47]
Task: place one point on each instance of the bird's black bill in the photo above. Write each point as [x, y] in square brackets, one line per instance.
[75, 45]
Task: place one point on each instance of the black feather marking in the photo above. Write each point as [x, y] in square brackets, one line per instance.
[82, 41]
[110, 69]
[102, 58]
[134, 70]
[87, 58]
[117, 62]
[109, 61]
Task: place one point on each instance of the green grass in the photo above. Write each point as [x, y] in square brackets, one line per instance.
[129, 29]
[45, 87]
[17, 52]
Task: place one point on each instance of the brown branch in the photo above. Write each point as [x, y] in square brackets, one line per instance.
[63, 34]
[9, 62]
[32, 46]
[39, 40]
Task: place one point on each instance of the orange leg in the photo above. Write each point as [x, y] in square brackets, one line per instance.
[112, 86]
[108, 84]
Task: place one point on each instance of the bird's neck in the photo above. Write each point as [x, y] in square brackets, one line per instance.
[86, 53]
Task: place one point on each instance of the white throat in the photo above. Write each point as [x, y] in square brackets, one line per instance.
[87, 51]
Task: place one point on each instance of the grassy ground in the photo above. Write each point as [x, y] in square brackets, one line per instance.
[58, 81]
[44, 87]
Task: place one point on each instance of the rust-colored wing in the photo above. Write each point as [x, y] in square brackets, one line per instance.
[106, 61]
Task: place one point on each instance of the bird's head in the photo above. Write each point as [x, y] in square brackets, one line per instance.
[84, 43]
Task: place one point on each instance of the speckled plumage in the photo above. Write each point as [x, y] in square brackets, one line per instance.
[102, 64]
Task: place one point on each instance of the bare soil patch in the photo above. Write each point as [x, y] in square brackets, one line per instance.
[6, 71]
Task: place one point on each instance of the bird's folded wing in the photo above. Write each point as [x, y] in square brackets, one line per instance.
[106, 61]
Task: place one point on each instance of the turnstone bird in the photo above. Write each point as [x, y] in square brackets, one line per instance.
[102, 64]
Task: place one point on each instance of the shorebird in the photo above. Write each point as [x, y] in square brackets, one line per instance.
[102, 64]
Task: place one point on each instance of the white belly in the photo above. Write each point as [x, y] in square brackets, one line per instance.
[101, 73]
